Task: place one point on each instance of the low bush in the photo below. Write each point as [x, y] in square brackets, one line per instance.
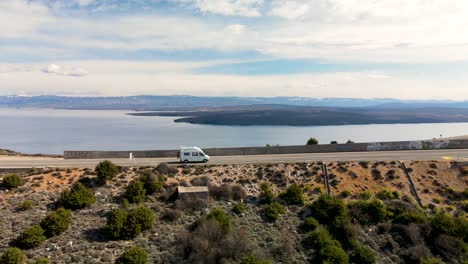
[293, 195]
[135, 255]
[406, 218]
[366, 195]
[327, 249]
[11, 181]
[327, 208]
[367, 212]
[345, 193]
[42, 261]
[115, 223]
[151, 182]
[12, 255]
[56, 222]
[443, 223]
[387, 195]
[31, 238]
[362, 254]
[105, 171]
[165, 169]
[227, 192]
[238, 208]
[220, 216]
[200, 181]
[273, 210]
[77, 198]
[310, 224]
[266, 196]
[128, 225]
[138, 220]
[254, 260]
[135, 192]
[191, 205]
[171, 215]
[431, 261]
[26, 205]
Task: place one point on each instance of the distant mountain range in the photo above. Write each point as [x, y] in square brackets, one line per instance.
[183, 102]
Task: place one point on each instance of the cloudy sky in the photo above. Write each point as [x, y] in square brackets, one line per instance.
[410, 49]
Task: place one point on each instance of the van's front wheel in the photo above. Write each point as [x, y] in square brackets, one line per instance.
[205, 161]
[185, 161]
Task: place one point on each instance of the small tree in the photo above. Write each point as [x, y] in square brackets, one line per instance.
[77, 198]
[106, 170]
[12, 181]
[26, 205]
[135, 192]
[56, 222]
[312, 141]
[115, 223]
[293, 195]
[13, 256]
[266, 196]
[238, 208]
[152, 182]
[220, 216]
[136, 255]
[138, 220]
[272, 211]
[31, 238]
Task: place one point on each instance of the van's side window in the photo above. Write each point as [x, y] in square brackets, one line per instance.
[195, 154]
[186, 154]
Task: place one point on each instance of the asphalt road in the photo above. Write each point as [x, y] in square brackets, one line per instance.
[460, 154]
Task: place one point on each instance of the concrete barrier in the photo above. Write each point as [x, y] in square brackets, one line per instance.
[328, 148]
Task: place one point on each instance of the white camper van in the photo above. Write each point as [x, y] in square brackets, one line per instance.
[192, 154]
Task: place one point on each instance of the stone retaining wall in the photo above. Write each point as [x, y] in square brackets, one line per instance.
[328, 148]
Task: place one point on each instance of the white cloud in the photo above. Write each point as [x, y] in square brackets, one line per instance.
[64, 70]
[289, 9]
[85, 2]
[248, 8]
[131, 78]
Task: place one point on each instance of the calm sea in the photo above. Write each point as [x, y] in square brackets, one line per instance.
[53, 131]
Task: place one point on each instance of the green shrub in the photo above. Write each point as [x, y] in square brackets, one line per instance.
[328, 250]
[332, 254]
[11, 181]
[272, 211]
[254, 260]
[31, 237]
[293, 195]
[312, 141]
[26, 205]
[135, 255]
[365, 195]
[12, 256]
[151, 182]
[105, 171]
[362, 254]
[368, 212]
[387, 195]
[431, 261]
[406, 218]
[42, 261]
[56, 222]
[239, 208]
[345, 193]
[135, 192]
[115, 223]
[77, 198]
[266, 196]
[220, 216]
[138, 220]
[310, 224]
[327, 208]
[443, 223]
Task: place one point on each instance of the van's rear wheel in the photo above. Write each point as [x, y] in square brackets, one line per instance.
[185, 161]
[205, 161]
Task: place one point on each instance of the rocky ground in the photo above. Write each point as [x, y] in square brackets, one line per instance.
[280, 241]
